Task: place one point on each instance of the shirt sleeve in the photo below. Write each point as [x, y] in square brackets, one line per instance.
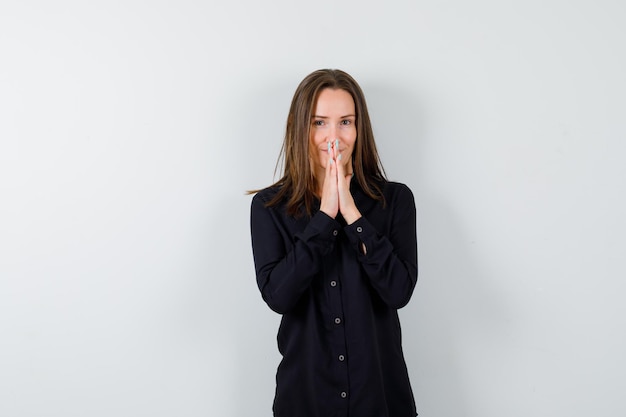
[284, 270]
[390, 262]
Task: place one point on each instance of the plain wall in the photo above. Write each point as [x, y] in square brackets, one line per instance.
[129, 132]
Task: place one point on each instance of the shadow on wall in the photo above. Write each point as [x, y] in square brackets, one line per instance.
[454, 300]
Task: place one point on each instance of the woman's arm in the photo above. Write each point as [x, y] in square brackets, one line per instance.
[390, 262]
[284, 273]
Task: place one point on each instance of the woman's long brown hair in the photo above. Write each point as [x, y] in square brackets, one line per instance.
[297, 186]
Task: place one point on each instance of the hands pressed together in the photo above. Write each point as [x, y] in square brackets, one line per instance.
[336, 197]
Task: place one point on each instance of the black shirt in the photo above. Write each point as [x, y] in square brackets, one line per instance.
[340, 335]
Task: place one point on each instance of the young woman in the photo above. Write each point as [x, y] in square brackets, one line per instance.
[335, 253]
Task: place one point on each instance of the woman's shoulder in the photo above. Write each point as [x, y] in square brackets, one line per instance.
[392, 189]
[266, 195]
[398, 195]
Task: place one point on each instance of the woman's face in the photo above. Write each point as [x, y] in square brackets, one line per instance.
[334, 117]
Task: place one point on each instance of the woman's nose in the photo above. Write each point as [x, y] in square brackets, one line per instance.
[332, 133]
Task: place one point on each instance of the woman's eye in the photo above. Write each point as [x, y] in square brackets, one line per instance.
[318, 123]
[346, 122]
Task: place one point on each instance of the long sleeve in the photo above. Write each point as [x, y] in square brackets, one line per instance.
[286, 264]
[390, 262]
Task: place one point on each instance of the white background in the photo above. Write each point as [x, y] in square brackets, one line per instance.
[130, 131]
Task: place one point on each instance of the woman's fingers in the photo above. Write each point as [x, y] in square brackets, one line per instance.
[330, 199]
[347, 207]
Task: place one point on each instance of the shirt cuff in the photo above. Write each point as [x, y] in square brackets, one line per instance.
[361, 231]
[321, 227]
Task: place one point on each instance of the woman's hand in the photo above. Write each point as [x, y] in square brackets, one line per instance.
[336, 196]
[330, 197]
[347, 207]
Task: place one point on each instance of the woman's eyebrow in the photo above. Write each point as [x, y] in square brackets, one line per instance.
[326, 117]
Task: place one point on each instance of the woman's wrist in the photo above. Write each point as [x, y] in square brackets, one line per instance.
[350, 216]
[330, 213]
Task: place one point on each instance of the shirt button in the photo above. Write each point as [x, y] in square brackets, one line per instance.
[333, 283]
[342, 358]
[337, 320]
[335, 232]
[344, 394]
[359, 229]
